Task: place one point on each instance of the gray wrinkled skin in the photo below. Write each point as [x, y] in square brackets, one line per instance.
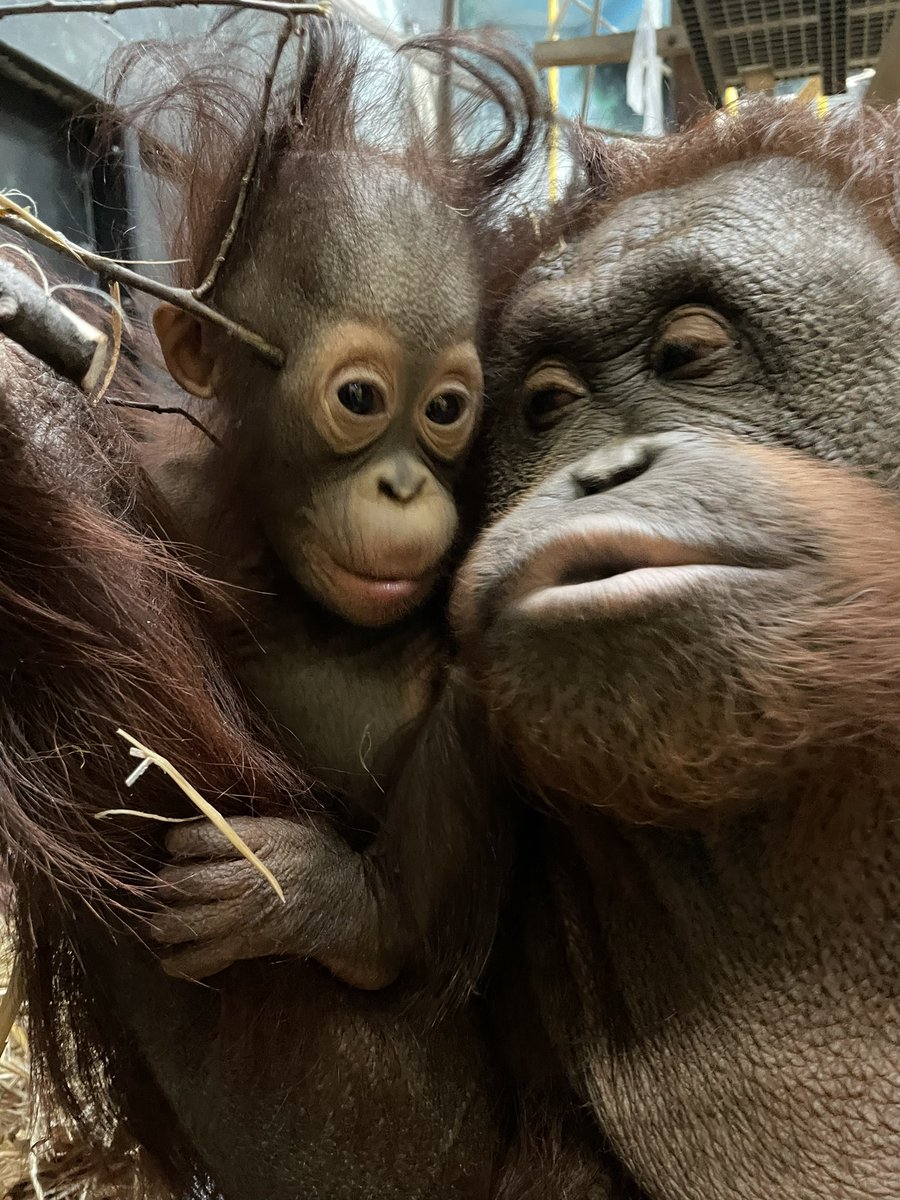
[723, 992]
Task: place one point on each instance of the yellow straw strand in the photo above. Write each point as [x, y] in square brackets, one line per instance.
[139, 750]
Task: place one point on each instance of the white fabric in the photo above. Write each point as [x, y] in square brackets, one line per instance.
[644, 81]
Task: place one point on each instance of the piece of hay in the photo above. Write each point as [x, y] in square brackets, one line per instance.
[148, 757]
[10, 1003]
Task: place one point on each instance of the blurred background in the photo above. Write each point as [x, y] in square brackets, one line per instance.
[633, 68]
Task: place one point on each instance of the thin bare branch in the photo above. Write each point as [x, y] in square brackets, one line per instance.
[34, 8]
[204, 288]
[179, 297]
[164, 410]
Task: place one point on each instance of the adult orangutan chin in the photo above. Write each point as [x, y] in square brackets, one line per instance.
[686, 624]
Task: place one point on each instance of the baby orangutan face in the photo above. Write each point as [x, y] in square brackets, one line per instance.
[383, 515]
[347, 456]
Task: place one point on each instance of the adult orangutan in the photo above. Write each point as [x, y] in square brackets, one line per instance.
[684, 621]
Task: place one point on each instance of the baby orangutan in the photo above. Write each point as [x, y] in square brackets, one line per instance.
[328, 495]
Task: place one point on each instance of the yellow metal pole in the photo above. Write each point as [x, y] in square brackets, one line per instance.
[730, 97]
[553, 92]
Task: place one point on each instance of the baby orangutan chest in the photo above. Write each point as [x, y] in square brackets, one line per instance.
[342, 707]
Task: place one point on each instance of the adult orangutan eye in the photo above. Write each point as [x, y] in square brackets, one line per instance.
[445, 409]
[692, 343]
[361, 398]
[549, 392]
[546, 407]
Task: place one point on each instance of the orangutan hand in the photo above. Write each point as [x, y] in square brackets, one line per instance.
[219, 909]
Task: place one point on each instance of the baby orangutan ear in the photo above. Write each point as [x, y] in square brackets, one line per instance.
[188, 348]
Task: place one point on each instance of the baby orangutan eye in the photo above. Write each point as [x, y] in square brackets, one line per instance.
[445, 409]
[549, 391]
[361, 398]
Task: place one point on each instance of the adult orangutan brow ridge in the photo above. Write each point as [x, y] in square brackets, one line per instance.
[684, 624]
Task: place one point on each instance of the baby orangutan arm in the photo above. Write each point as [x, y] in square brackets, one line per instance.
[425, 892]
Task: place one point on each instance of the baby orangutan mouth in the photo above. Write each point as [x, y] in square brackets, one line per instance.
[380, 599]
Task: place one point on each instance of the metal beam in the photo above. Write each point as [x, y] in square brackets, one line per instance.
[671, 42]
[833, 42]
[700, 33]
[749, 28]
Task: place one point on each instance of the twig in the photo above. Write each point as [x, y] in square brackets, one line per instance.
[47, 329]
[10, 1004]
[180, 297]
[148, 757]
[204, 288]
[302, 50]
[35, 8]
[117, 326]
[163, 410]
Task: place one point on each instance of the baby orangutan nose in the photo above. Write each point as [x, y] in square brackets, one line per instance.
[402, 483]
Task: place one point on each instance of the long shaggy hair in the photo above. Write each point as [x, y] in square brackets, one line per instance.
[858, 147]
[102, 625]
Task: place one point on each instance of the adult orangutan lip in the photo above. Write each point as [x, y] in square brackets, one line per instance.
[623, 594]
[609, 567]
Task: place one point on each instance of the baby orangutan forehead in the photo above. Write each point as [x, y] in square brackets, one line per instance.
[358, 238]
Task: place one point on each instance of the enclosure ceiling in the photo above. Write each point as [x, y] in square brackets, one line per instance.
[831, 38]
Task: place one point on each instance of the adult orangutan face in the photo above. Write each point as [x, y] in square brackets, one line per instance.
[692, 471]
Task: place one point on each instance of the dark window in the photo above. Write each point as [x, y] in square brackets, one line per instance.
[45, 152]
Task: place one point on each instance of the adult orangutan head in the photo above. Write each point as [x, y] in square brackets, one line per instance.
[693, 582]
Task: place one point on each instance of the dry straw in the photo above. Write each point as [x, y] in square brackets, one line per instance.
[151, 758]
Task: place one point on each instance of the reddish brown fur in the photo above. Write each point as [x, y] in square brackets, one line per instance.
[102, 626]
[859, 149]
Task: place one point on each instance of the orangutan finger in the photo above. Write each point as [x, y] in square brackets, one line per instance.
[200, 961]
[193, 923]
[200, 840]
[200, 882]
